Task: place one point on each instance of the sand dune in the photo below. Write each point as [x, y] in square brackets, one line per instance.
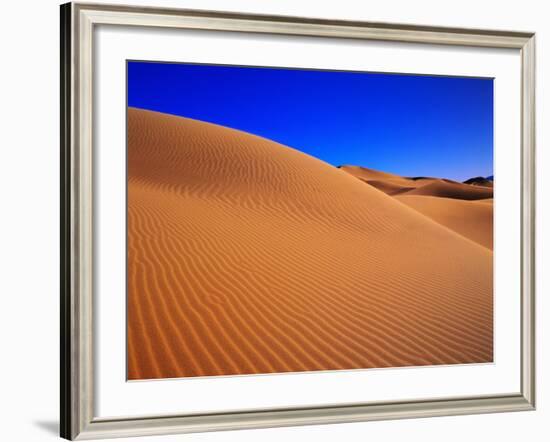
[386, 182]
[479, 181]
[246, 256]
[451, 189]
[472, 219]
[449, 203]
[389, 187]
[366, 174]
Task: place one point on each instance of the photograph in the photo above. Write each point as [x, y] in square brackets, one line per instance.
[284, 220]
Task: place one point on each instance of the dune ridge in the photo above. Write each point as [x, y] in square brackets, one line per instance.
[471, 219]
[449, 189]
[479, 181]
[388, 183]
[246, 256]
[450, 203]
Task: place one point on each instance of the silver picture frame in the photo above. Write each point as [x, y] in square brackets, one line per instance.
[78, 21]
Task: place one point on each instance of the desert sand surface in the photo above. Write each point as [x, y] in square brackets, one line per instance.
[386, 182]
[246, 256]
[389, 187]
[466, 208]
[449, 189]
[471, 219]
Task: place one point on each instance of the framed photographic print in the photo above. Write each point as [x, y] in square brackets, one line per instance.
[272, 221]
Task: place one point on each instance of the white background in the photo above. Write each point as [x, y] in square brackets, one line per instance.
[29, 170]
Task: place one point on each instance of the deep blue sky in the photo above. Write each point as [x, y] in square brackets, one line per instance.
[406, 124]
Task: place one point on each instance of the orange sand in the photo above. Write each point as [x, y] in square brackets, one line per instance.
[451, 189]
[246, 256]
[472, 219]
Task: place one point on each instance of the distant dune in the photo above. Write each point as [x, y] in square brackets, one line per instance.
[448, 189]
[480, 181]
[449, 203]
[472, 219]
[391, 184]
[367, 174]
[389, 187]
[246, 256]
[386, 182]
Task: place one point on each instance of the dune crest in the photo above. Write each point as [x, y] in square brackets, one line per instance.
[246, 256]
[388, 183]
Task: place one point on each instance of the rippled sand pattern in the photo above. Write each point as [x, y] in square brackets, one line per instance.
[246, 256]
